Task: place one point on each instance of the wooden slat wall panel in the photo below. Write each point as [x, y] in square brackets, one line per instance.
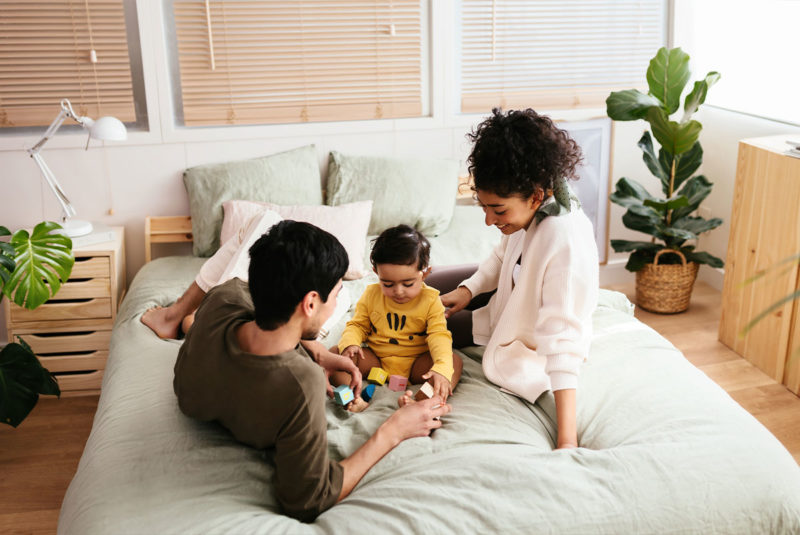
[554, 54]
[279, 62]
[44, 57]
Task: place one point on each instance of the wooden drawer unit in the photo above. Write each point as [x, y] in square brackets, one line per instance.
[71, 332]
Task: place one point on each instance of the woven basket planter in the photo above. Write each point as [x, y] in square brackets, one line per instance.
[666, 288]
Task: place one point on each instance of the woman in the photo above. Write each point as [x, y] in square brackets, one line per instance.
[537, 325]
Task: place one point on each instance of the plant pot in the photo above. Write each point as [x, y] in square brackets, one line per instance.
[666, 288]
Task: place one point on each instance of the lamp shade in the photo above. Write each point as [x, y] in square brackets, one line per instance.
[108, 128]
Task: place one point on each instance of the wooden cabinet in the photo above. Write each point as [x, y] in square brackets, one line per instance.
[765, 229]
[71, 332]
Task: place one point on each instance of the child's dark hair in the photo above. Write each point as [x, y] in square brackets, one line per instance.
[518, 152]
[402, 245]
[286, 263]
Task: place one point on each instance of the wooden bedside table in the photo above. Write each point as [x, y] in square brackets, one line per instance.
[71, 332]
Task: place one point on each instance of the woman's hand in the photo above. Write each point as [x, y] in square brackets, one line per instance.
[456, 300]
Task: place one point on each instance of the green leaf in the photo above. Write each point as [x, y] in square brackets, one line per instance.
[704, 258]
[696, 190]
[663, 206]
[697, 225]
[698, 95]
[44, 260]
[680, 233]
[667, 75]
[643, 222]
[674, 137]
[22, 379]
[624, 246]
[629, 193]
[629, 105]
[639, 259]
[656, 167]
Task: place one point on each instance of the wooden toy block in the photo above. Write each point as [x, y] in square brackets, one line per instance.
[367, 393]
[397, 383]
[343, 394]
[377, 376]
[424, 392]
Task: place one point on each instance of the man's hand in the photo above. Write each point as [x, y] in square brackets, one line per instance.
[331, 362]
[441, 386]
[353, 352]
[416, 419]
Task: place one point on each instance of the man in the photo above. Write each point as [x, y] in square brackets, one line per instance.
[242, 365]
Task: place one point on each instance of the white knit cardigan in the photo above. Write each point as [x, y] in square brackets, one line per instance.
[537, 331]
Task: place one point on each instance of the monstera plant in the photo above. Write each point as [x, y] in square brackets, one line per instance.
[671, 219]
[33, 266]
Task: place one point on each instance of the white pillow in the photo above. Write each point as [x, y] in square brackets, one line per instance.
[348, 222]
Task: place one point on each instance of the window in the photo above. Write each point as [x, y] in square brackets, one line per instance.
[74, 49]
[257, 62]
[554, 54]
[753, 45]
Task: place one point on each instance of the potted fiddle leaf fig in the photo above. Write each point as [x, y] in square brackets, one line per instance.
[33, 265]
[666, 265]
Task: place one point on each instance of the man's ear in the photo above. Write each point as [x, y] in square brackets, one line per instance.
[308, 304]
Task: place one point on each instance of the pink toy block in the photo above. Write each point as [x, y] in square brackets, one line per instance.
[397, 383]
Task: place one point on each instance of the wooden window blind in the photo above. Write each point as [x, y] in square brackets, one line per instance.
[554, 54]
[257, 62]
[45, 56]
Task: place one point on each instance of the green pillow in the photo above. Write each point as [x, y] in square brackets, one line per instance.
[417, 192]
[290, 177]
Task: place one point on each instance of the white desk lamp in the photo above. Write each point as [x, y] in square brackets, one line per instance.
[105, 128]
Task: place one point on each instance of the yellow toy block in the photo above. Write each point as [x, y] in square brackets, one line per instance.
[377, 376]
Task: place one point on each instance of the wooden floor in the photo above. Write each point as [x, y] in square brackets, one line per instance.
[39, 458]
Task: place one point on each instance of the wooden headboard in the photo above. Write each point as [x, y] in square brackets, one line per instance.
[165, 229]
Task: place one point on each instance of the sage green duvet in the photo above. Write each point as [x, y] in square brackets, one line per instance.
[664, 450]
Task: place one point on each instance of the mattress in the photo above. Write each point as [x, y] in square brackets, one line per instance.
[664, 449]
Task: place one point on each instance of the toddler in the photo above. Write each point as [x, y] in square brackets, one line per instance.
[401, 319]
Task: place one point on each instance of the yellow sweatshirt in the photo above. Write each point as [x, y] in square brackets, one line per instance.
[399, 332]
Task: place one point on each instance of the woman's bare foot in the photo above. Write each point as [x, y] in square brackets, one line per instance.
[163, 321]
[405, 399]
[357, 405]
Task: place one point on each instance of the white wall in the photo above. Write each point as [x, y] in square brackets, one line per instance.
[142, 176]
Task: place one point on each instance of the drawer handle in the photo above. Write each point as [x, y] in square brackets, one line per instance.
[59, 335]
[66, 353]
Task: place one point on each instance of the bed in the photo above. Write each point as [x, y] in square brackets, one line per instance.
[664, 449]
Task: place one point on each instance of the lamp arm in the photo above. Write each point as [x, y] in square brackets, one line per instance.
[55, 187]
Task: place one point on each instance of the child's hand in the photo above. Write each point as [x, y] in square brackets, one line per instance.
[440, 384]
[354, 353]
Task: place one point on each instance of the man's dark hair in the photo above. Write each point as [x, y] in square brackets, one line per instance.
[515, 153]
[287, 262]
[402, 245]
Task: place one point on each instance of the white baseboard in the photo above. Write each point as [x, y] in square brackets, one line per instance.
[614, 272]
[714, 277]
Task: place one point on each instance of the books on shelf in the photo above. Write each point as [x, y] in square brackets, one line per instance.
[100, 233]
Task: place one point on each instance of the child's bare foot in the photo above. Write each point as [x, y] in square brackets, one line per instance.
[162, 321]
[357, 405]
[187, 322]
[405, 399]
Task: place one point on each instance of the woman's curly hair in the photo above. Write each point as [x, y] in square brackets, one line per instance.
[517, 152]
